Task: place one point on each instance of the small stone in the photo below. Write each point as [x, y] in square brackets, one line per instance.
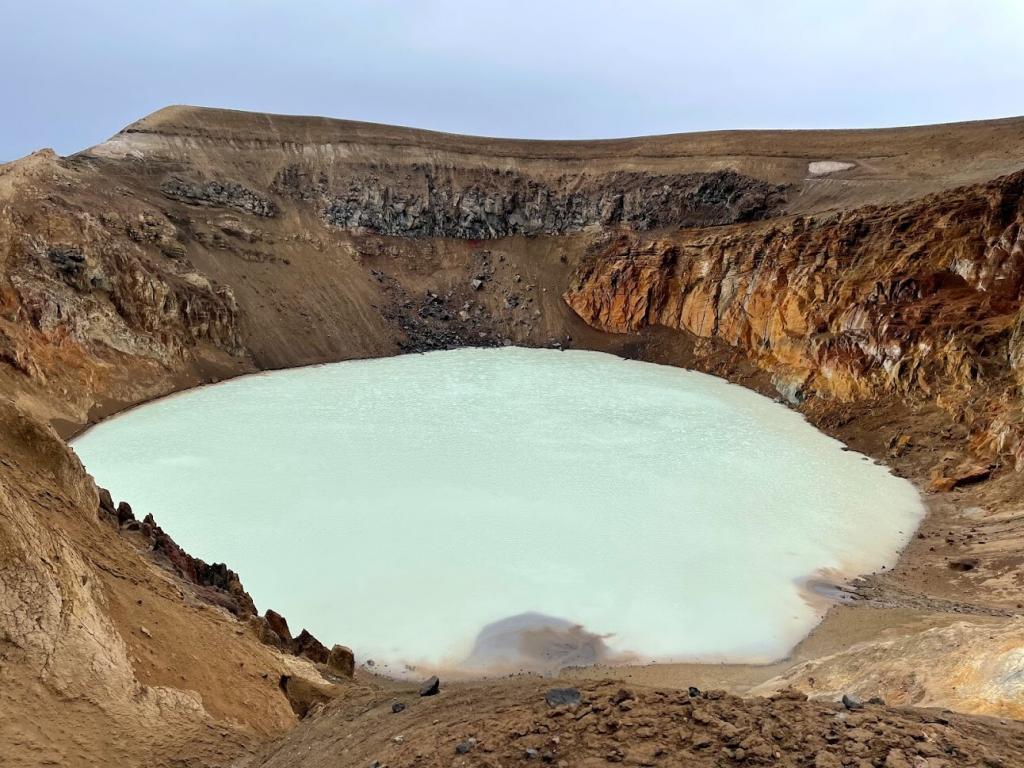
[466, 746]
[430, 687]
[694, 692]
[624, 694]
[397, 707]
[145, 632]
[476, 283]
[962, 565]
[563, 697]
[852, 702]
[531, 753]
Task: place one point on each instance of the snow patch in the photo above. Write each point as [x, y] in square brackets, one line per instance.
[822, 167]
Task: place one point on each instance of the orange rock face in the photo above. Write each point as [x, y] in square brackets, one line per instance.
[920, 300]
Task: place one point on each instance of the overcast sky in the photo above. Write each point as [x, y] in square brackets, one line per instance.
[75, 72]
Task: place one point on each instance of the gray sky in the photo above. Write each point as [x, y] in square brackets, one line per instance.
[75, 72]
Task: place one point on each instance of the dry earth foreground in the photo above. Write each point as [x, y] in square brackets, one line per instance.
[871, 279]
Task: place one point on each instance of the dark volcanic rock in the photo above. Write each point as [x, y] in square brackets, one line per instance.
[279, 624]
[106, 501]
[222, 585]
[563, 697]
[218, 194]
[124, 513]
[430, 687]
[485, 205]
[70, 262]
[308, 646]
[852, 702]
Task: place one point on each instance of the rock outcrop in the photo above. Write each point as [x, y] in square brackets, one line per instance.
[219, 195]
[444, 202]
[919, 300]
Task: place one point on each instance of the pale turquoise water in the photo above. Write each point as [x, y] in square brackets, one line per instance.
[399, 505]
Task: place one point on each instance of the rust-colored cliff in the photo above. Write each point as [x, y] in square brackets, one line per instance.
[917, 300]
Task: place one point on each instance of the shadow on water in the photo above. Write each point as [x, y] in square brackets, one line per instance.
[534, 642]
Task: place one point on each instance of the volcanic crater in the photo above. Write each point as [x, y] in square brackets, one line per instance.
[869, 280]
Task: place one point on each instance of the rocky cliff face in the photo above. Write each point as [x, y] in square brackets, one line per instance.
[102, 279]
[919, 300]
[439, 202]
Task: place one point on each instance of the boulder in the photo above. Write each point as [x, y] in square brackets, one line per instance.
[341, 661]
[303, 695]
[279, 624]
[563, 697]
[945, 479]
[124, 513]
[266, 634]
[308, 646]
[851, 702]
[106, 502]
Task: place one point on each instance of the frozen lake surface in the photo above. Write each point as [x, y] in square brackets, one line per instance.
[510, 507]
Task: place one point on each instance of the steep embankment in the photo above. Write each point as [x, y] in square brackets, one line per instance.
[872, 277]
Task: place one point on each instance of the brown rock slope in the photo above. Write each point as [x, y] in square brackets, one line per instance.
[511, 724]
[879, 293]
